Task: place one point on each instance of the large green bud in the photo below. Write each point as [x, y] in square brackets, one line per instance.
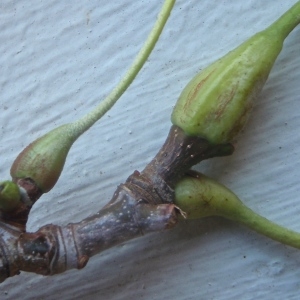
[216, 103]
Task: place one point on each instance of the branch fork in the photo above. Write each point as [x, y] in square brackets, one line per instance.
[143, 204]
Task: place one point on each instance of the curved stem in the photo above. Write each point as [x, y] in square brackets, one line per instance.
[287, 22]
[42, 162]
[89, 119]
[248, 217]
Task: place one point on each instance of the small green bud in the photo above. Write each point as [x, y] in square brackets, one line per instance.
[44, 159]
[10, 196]
[199, 196]
[216, 103]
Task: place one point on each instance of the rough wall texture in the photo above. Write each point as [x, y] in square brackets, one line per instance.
[59, 59]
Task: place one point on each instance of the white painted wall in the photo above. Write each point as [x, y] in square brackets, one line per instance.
[58, 59]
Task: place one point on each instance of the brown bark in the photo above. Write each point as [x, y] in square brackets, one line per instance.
[143, 204]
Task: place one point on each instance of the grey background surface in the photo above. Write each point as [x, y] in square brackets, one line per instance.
[58, 59]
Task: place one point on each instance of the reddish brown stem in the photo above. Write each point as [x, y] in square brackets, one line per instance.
[178, 154]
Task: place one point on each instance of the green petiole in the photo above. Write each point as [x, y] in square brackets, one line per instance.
[88, 120]
[43, 160]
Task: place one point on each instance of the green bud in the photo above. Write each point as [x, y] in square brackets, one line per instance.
[10, 196]
[199, 196]
[43, 160]
[216, 103]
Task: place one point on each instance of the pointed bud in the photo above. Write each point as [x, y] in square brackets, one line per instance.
[199, 196]
[43, 160]
[216, 103]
